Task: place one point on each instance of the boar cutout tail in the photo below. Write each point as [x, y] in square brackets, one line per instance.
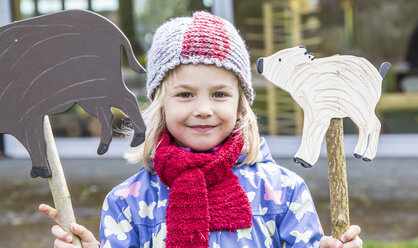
[384, 68]
[133, 63]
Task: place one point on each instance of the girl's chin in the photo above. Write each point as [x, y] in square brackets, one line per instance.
[197, 146]
[202, 146]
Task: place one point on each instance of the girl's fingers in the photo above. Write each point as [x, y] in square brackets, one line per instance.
[351, 233]
[49, 211]
[60, 234]
[330, 242]
[350, 239]
[61, 244]
[355, 243]
[64, 238]
[85, 235]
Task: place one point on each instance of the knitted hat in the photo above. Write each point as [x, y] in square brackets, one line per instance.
[200, 39]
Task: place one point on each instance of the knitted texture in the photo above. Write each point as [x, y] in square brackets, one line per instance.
[200, 39]
[205, 195]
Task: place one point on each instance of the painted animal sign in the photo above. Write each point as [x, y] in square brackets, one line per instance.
[326, 88]
[51, 62]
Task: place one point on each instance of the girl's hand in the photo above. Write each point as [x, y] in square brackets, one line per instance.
[64, 239]
[350, 239]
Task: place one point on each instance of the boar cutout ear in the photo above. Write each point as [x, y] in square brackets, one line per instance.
[49, 63]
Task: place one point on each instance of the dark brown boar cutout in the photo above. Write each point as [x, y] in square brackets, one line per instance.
[49, 63]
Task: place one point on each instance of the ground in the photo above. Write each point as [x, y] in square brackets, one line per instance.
[22, 225]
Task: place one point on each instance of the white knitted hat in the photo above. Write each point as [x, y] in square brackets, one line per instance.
[200, 39]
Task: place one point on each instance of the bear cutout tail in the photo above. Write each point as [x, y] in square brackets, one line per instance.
[384, 68]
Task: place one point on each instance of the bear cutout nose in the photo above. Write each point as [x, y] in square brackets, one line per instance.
[260, 65]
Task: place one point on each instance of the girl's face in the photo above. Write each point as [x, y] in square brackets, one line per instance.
[201, 105]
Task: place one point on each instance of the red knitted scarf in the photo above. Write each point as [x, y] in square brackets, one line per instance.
[205, 195]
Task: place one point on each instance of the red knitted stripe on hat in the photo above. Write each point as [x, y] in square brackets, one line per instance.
[206, 37]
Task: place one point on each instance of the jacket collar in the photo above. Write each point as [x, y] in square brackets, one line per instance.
[264, 156]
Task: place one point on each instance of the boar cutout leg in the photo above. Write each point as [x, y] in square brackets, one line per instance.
[130, 106]
[373, 140]
[34, 142]
[312, 137]
[105, 116]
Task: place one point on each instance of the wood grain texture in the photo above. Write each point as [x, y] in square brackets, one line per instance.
[58, 184]
[337, 177]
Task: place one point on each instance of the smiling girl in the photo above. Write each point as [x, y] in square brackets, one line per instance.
[209, 180]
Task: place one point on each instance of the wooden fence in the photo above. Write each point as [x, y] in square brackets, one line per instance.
[283, 24]
[287, 24]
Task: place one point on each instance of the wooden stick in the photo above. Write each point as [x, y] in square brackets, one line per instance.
[337, 177]
[58, 184]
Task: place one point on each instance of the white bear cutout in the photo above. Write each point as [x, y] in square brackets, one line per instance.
[326, 88]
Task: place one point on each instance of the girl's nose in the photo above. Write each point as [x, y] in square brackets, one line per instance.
[203, 109]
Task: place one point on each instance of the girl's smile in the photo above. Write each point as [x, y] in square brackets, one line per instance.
[202, 128]
[201, 105]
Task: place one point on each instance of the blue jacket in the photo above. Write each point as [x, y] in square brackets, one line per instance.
[284, 214]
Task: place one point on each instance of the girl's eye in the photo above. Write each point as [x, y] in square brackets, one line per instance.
[219, 94]
[184, 95]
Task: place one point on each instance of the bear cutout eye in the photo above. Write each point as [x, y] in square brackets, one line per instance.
[311, 56]
[280, 60]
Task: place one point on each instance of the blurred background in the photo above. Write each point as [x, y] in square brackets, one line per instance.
[383, 193]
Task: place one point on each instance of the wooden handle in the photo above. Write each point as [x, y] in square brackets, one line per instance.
[337, 177]
[58, 184]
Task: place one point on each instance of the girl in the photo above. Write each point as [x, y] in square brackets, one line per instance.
[209, 181]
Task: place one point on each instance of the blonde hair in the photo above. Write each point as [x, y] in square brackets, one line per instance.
[155, 121]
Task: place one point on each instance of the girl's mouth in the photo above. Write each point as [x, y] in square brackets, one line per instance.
[202, 128]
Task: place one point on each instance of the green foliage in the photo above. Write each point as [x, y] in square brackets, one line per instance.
[405, 244]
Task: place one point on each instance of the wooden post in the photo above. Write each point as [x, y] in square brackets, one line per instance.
[296, 23]
[58, 184]
[337, 177]
[36, 10]
[16, 14]
[89, 6]
[348, 22]
[268, 50]
[296, 40]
